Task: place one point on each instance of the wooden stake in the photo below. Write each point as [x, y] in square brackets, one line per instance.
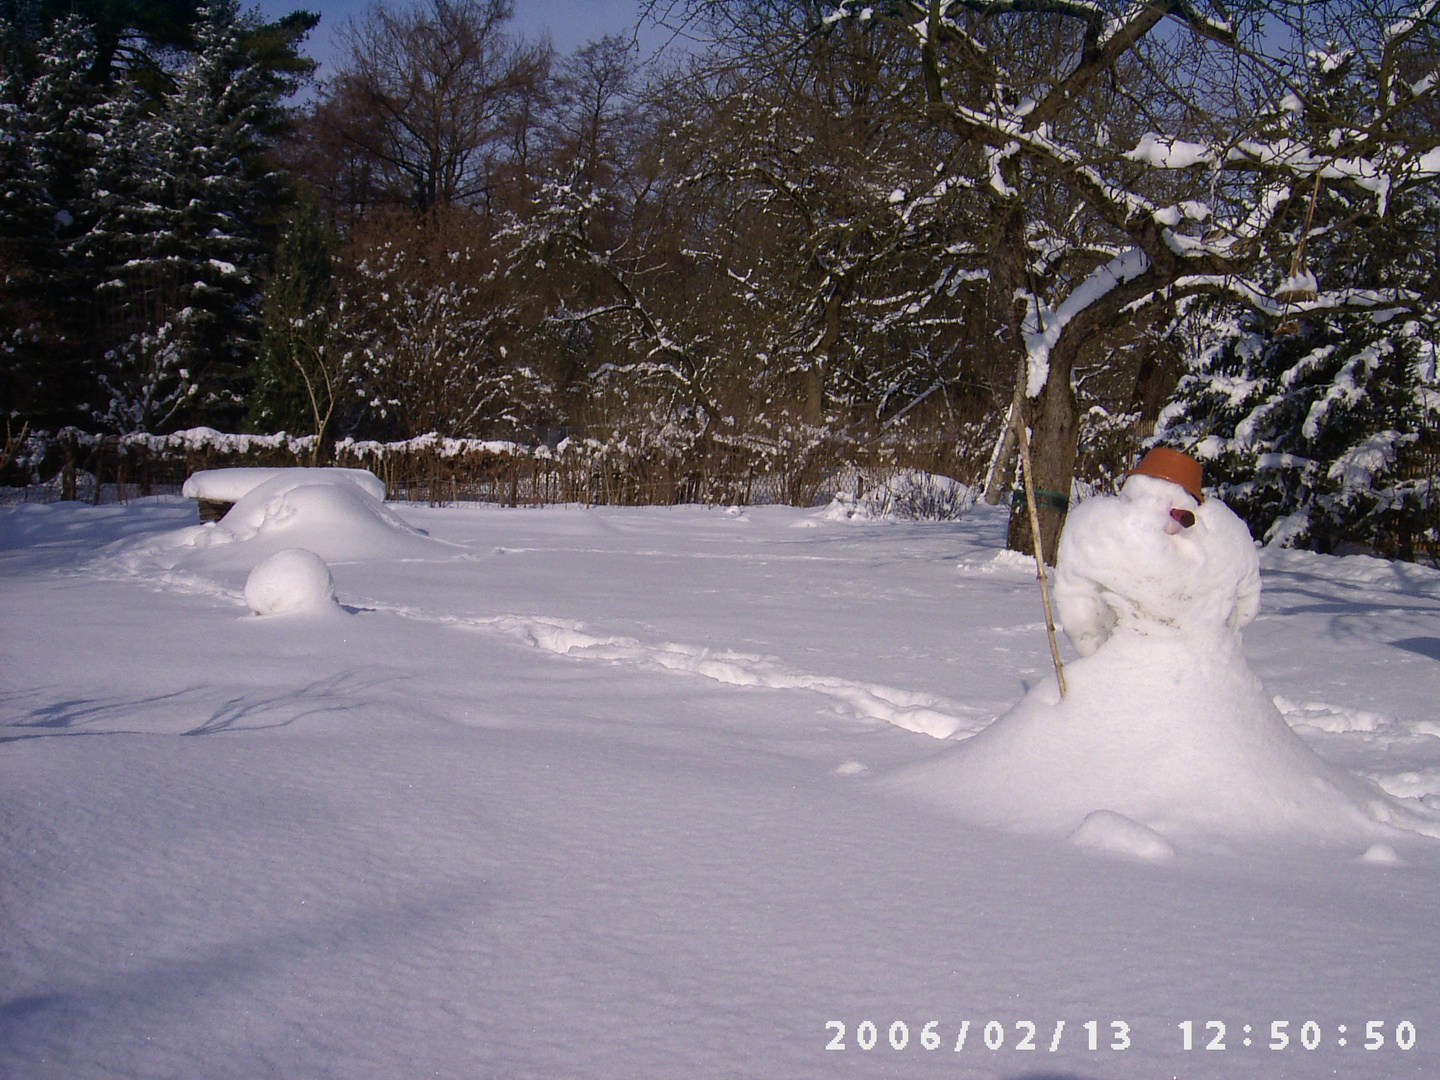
[1022, 433]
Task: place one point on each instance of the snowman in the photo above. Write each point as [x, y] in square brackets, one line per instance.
[1164, 735]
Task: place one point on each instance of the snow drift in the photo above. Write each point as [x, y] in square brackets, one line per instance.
[335, 519]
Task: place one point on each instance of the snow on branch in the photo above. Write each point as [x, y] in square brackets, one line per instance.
[1043, 326]
[1395, 166]
[1008, 134]
[1387, 301]
[1403, 27]
[1160, 152]
[1217, 29]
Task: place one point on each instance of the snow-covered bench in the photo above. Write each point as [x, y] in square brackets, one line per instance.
[216, 490]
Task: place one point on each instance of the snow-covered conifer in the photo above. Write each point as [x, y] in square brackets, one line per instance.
[1316, 404]
[50, 127]
[183, 239]
[1318, 436]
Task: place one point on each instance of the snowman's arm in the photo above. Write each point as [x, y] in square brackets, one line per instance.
[1084, 615]
[1247, 598]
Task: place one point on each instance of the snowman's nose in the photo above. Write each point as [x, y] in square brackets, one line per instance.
[1185, 517]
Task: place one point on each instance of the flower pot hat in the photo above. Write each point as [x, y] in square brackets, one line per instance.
[1172, 465]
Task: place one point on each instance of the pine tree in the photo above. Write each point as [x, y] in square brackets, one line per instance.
[50, 126]
[184, 239]
[1316, 435]
[1317, 412]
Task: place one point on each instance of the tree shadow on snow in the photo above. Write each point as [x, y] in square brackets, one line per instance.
[62, 717]
[269, 958]
[275, 707]
[22, 1008]
[252, 712]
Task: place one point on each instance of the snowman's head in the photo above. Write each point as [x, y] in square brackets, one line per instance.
[1165, 502]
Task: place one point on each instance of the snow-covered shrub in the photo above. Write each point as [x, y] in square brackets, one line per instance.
[900, 495]
[917, 496]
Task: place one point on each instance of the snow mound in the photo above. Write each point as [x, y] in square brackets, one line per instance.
[1420, 784]
[1002, 562]
[291, 580]
[232, 485]
[1362, 570]
[335, 519]
[1319, 716]
[1115, 833]
[1163, 722]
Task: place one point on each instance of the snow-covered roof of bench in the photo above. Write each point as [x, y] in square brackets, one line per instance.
[232, 485]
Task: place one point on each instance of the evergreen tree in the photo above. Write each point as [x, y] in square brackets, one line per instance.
[1317, 410]
[136, 203]
[50, 126]
[1316, 436]
[184, 239]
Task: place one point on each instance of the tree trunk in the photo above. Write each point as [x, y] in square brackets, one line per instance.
[1054, 420]
[815, 394]
[1052, 417]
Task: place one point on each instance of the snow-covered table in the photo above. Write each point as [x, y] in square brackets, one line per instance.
[216, 490]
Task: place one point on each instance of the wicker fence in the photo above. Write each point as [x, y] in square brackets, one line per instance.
[74, 465]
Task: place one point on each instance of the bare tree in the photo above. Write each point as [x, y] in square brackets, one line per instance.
[426, 93]
[597, 110]
[773, 259]
[422, 324]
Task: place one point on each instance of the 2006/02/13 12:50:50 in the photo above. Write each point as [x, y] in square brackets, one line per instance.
[1377, 1035]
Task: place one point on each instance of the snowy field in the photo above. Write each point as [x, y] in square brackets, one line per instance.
[609, 793]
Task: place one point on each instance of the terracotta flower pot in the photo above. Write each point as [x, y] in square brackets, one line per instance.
[1172, 465]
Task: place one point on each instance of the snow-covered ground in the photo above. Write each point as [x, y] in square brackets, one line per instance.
[608, 793]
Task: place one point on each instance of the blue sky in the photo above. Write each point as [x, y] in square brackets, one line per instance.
[569, 23]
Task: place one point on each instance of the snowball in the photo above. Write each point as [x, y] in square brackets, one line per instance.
[290, 580]
[1105, 830]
